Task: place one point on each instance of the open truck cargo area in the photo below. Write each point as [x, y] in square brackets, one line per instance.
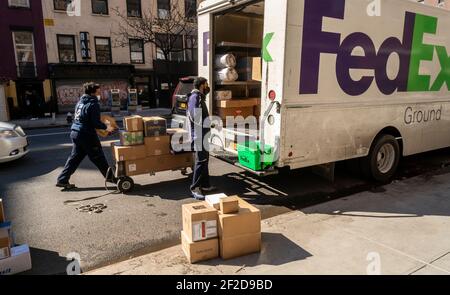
[327, 81]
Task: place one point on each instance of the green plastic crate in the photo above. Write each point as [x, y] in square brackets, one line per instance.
[251, 156]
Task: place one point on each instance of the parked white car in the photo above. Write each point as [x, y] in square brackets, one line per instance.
[13, 142]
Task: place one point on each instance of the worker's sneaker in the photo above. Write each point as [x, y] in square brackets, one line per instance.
[66, 186]
[198, 195]
[209, 189]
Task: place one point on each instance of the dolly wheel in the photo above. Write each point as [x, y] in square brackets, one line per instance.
[125, 184]
[184, 172]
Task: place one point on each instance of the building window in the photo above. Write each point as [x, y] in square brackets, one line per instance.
[163, 9]
[24, 47]
[191, 48]
[100, 7]
[66, 48]
[103, 50]
[190, 9]
[61, 4]
[137, 51]
[19, 3]
[134, 8]
[176, 46]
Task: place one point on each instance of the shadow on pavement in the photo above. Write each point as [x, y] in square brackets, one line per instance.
[46, 262]
[276, 250]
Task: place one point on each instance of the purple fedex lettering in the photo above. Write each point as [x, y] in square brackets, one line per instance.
[316, 42]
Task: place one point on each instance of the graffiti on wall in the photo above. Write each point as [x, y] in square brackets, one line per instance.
[69, 93]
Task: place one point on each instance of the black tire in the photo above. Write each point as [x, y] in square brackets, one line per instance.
[383, 159]
[125, 184]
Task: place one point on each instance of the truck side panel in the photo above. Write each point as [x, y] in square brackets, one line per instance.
[335, 104]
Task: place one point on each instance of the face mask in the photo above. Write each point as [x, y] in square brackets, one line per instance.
[98, 97]
[207, 90]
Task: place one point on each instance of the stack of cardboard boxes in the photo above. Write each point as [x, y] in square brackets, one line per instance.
[145, 147]
[13, 259]
[231, 231]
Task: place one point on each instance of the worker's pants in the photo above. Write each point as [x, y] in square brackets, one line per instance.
[201, 170]
[84, 145]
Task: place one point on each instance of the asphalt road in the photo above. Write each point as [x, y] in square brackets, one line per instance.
[148, 219]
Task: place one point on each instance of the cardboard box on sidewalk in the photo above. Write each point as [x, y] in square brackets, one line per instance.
[157, 145]
[133, 124]
[19, 261]
[5, 240]
[128, 153]
[240, 233]
[155, 126]
[158, 164]
[199, 221]
[2, 212]
[131, 138]
[229, 205]
[199, 251]
[241, 245]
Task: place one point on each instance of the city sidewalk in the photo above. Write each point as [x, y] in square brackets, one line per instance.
[61, 119]
[402, 228]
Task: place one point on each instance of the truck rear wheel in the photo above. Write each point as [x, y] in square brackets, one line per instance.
[383, 159]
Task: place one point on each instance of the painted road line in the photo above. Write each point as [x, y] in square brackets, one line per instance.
[105, 144]
[48, 134]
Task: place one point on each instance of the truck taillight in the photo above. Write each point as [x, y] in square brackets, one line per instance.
[272, 95]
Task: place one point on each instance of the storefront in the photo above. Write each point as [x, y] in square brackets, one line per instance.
[144, 83]
[68, 80]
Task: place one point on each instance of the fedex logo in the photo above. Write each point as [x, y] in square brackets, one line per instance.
[410, 49]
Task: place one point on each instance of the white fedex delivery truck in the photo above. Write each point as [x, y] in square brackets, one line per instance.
[341, 79]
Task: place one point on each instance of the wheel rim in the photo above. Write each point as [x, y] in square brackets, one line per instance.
[126, 185]
[386, 158]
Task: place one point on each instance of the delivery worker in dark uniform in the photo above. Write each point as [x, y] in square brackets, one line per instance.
[84, 136]
[198, 113]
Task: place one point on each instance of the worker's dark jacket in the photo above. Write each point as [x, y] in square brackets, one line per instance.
[198, 113]
[87, 116]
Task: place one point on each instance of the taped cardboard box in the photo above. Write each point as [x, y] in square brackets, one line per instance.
[5, 247]
[133, 124]
[6, 232]
[245, 112]
[238, 103]
[241, 245]
[131, 138]
[129, 153]
[199, 251]
[230, 225]
[2, 212]
[155, 126]
[19, 261]
[158, 164]
[157, 145]
[229, 205]
[199, 221]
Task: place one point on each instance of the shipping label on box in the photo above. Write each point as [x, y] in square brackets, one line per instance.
[19, 261]
[199, 221]
[204, 230]
[133, 124]
[199, 251]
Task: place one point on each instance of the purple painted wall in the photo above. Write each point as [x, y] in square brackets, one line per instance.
[21, 19]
